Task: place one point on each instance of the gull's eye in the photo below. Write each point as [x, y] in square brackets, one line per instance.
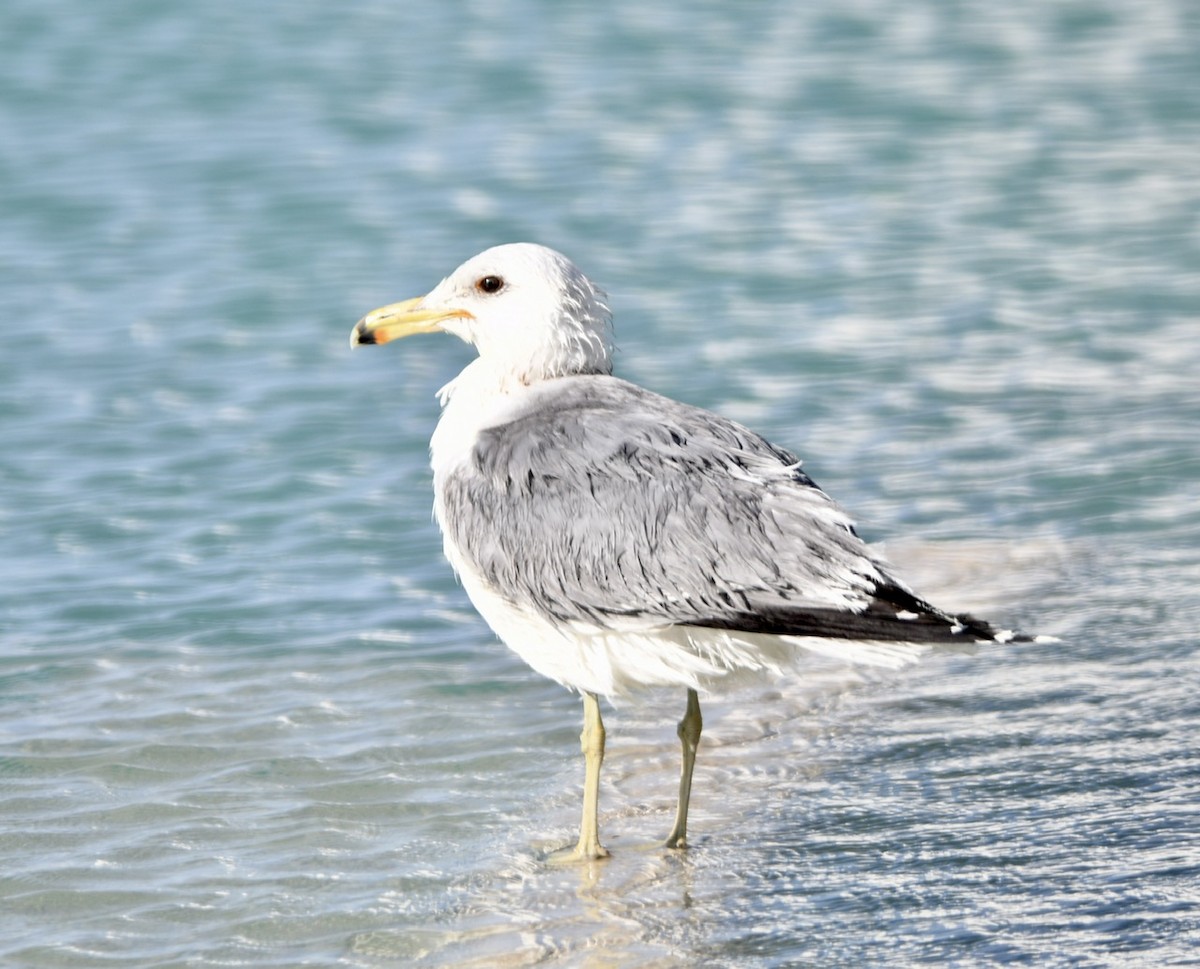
[490, 284]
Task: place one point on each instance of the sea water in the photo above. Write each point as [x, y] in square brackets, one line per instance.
[947, 252]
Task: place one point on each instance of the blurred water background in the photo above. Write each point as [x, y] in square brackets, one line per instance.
[948, 251]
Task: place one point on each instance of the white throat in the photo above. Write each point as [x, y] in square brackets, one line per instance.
[480, 396]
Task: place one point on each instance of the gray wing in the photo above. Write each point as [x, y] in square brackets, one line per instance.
[606, 503]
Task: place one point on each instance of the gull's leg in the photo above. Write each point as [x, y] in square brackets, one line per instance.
[592, 743]
[689, 739]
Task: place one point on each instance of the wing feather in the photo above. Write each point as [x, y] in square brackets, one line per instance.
[604, 503]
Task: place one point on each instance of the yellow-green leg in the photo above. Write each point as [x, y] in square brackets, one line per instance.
[592, 743]
[689, 739]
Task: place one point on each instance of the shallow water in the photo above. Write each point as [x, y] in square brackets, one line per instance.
[948, 252]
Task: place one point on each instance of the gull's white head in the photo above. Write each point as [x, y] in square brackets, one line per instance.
[527, 309]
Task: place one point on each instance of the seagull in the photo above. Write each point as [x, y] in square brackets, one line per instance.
[617, 539]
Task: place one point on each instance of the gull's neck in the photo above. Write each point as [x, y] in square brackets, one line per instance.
[480, 396]
[479, 378]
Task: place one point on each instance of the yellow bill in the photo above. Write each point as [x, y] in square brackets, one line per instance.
[398, 320]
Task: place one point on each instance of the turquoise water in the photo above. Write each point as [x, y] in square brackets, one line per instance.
[949, 252]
